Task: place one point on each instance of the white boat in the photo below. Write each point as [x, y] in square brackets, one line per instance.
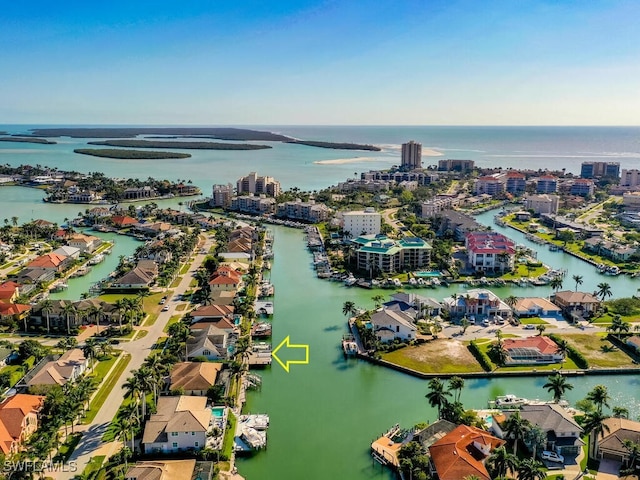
[510, 401]
[350, 281]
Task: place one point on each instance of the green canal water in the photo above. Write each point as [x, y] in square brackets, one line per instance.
[325, 414]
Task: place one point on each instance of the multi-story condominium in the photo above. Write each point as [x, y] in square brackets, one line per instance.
[299, 210]
[252, 183]
[516, 183]
[366, 185]
[451, 165]
[436, 205]
[379, 254]
[253, 204]
[411, 156]
[582, 187]
[222, 195]
[547, 184]
[489, 252]
[630, 178]
[489, 185]
[631, 201]
[423, 178]
[542, 203]
[361, 222]
[600, 169]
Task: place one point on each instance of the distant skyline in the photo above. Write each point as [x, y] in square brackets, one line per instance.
[383, 62]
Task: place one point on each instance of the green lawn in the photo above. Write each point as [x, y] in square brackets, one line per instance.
[438, 356]
[181, 307]
[176, 282]
[533, 321]
[185, 268]
[172, 320]
[229, 435]
[67, 448]
[105, 388]
[522, 271]
[598, 351]
[93, 466]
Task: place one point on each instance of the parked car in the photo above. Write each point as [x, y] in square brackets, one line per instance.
[529, 326]
[162, 301]
[165, 308]
[485, 322]
[551, 456]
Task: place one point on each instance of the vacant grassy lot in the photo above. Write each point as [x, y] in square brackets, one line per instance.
[533, 321]
[599, 351]
[437, 356]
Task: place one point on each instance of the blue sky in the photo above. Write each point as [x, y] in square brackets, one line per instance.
[381, 62]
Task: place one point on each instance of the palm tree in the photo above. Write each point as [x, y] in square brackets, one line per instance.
[511, 300]
[578, 280]
[599, 396]
[500, 462]
[437, 395]
[618, 326]
[530, 469]
[90, 349]
[498, 352]
[604, 290]
[634, 453]
[377, 299]
[536, 438]
[68, 310]
[96, 311]
[562, 348]
[456, 384]
[121, 307]
[620, 412]
[557, 385]
[541, 328]
[516, 427]
[46, 307]
[349, 308]
[133, 389]
[594, 425]
[556, 283]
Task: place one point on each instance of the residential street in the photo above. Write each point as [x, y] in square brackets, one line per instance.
[91, 443]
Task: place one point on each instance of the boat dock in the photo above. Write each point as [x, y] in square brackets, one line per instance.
[251, 433]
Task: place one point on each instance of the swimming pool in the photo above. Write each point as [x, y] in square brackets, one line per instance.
[218, 411]
[431, 273]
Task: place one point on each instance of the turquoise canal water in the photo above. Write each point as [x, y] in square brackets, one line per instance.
[325, 414]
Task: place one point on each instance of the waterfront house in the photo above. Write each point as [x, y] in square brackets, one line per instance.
[462, 453]
[210, 342]
[225, 279]
[460, 224]
[489, 252]
[141, 276]
[561, 430]
[68, 251]
[389, 325]
[9, 292]
[476, 304]
[35, 275]
[634, 342]
[536, 307]
[612, 250]
[212, 313]
[86, 243]
[193, 378]
[164, 470]
[180, 424]
[137, 193]
[379, 254]
[414, 305]
[18, 421]
[610, 442]
[536, 350]
[15, 312]
[70, 366]
[576, 305]
[543, 203]
[50, 261]
[123, 221]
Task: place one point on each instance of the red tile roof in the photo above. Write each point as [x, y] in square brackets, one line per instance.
[544, 344]
[49, 260]
[456, 455]
[123, 220]
[13, 308]
[489, 242]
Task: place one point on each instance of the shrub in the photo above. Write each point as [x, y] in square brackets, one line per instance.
[480, 356]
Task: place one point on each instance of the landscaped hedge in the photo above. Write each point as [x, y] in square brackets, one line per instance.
[574, 354]
[480, 356]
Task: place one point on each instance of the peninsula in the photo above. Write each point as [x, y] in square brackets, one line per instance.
[129, 154]
[337, 146]
[180, 145]
[216, 133]
[43, 141]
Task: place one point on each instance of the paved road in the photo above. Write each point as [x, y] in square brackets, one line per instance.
[91, 443]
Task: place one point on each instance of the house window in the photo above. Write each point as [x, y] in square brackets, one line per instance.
[175, 444]
[196, 444]
[206, 353]
[174, 434]
[193, 433]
